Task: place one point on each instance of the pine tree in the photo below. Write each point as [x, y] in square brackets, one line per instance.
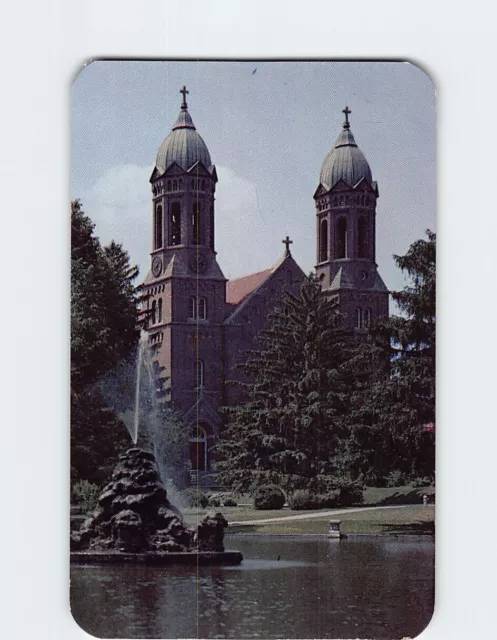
[291, 427]
[393, 409]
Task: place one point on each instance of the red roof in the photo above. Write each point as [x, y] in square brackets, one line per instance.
[238, 289]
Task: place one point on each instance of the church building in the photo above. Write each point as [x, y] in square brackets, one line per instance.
[201, 324]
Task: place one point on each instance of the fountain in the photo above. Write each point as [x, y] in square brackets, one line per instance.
[134, 521]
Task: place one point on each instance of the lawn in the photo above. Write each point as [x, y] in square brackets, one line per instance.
[400, 521]
[413, 519]
[392, 521]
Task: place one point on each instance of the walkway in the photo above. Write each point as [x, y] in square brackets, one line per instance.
[318, 514]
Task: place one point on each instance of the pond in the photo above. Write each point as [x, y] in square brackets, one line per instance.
[318, 588]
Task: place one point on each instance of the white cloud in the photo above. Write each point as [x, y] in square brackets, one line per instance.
[244, 239]
[119, 204]
[125, 186]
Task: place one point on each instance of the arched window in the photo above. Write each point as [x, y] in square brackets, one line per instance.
[196, 239]
[202, 309]
[362, 238]
[169, 185]
[199, 374]
[367, 201]
[159, 314]
[323, 241]
[342, 201]
[175, 185]
[363, 199]
[202, 185]
[198, 449]
[335, 201]
[367, 318]
[175, 223]
[180, 184]
[341, 238]
[158, 227]
[358, 198]
[192, 308]
[358, 318]
[154, 312]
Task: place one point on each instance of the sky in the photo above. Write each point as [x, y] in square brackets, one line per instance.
[268, 126]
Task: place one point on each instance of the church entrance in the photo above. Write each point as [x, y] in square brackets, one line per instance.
[199, 451]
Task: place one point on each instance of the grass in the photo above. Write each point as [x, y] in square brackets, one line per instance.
[402, 521]
[397, 495]
[415, 519]
[407, 520]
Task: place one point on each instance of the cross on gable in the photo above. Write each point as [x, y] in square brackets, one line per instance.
[287, 242]
[184, 91]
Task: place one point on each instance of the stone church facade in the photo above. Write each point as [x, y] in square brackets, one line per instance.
[200, 323]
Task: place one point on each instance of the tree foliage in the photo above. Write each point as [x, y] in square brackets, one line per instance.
[104, 331]
[392, 413]
[323, 409]
[104, 313]
[290, 429]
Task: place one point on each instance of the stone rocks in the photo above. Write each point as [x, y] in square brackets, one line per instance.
[134, 515]
[210, 533]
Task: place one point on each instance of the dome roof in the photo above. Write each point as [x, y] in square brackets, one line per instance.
[183, 145]
[345, 161]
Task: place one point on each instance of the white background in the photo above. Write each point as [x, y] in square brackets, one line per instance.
[43, 45]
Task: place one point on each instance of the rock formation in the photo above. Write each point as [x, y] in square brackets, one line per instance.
[134, 515]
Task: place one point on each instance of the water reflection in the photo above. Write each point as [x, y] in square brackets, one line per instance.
[317, 589]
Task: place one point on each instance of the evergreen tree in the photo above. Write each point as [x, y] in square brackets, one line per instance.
[393, 410]
[104, 331]
[104, 312]
[291, 427]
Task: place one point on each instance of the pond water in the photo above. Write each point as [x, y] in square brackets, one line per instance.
[319, 588]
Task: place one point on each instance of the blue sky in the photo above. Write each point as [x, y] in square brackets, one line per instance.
[268, 133]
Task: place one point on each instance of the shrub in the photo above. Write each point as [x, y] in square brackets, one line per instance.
[350, 494]
[304, 499]
[193, 497]
[214, 502]
[329, 500]
[269, 496]
[396, 479]
[86, 494]
[229, 502]
[422, 482]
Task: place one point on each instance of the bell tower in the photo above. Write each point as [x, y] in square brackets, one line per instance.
[186, 289]
[346, 233]
[183, 188]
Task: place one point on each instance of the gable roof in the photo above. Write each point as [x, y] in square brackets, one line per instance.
[239, 288]
[243, 290]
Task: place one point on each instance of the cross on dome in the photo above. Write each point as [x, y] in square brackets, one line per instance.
[184, 91]
[347, 111]
[287, 242]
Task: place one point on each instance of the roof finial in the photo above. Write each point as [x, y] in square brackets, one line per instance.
[184, 91]
[346, 124]
[287, 242]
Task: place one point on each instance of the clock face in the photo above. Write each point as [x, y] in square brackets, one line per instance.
[198, 263]
[156, 266]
